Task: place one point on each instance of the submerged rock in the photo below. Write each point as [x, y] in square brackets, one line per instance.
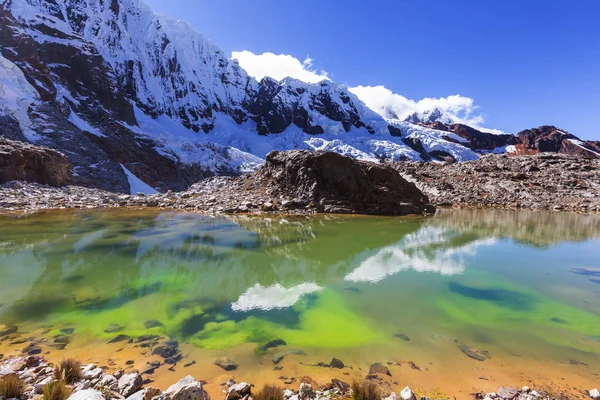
[165, 351]
[32, 349]
[119, 338]
[474, 353]
[272, 344]
[7, 329]
[152, 324]
[379, 368]
[402, 336]
[114, 328]
[276, 359]
[226, 363]
[336, 363]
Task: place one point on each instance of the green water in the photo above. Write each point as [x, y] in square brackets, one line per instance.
[487, 278]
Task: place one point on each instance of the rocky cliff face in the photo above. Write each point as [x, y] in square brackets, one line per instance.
[554, 140]
[25, 162]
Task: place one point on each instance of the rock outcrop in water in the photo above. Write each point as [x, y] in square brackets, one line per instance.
[30, 163]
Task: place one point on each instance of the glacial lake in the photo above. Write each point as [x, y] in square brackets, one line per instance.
[415, 294]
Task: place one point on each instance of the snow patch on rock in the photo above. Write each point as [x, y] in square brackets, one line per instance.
[16, 96]
[136, 185]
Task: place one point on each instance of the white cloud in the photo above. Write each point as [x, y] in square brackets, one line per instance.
[279, 66]
[391, 105]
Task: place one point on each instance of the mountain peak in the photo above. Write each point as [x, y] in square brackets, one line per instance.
[430, 116]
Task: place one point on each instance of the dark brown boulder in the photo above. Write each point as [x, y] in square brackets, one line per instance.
[21, 161]
[330, 182]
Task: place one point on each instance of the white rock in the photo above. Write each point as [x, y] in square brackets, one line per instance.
[595, 394]
[407, 394]
[306, 392]
[392, 396]
[187, 388]
[82, 385]
[87, 394]
[88, 367]
[145, 394]
[139, 395]
[130, 383]
[92, 374]
[238, 391]
[525, 389]
[39, 387]
[108, 381]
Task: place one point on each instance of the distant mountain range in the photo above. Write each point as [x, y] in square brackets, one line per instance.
[125, 93]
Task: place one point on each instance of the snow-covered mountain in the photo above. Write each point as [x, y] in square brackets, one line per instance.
[126, 93]
[430, 117]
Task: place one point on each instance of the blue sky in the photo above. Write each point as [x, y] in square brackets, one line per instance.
[524, 63]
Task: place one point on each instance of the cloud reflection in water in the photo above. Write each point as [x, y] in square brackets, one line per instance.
[427, 250]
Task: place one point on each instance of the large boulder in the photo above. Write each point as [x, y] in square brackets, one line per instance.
[21, 161]
[129, 384]
[330, 182]
[187, 388]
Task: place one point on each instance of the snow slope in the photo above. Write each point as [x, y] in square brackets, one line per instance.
[16, 96]
[136, 185]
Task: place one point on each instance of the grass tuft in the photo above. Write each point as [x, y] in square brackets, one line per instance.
[365, 390]
[56, 390]
[269, 392]
[11, 387]
[69, 371]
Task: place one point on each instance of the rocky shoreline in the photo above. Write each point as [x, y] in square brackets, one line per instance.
[545, 181]
[36, 378]
[300, 182]
[297, 182]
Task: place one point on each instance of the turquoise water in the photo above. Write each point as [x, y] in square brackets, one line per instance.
[494, 280]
